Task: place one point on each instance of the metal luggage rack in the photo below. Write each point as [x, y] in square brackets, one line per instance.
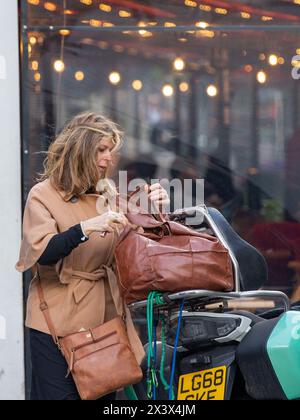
[219, 301]
[207, 299]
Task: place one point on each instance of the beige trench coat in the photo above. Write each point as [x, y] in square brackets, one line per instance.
[81, 290]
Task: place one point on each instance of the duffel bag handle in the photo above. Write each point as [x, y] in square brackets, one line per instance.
[158, 215]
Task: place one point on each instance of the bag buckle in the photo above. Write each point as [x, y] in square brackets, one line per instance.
[43, 306]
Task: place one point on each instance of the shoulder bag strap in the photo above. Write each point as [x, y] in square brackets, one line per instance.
[45, 309]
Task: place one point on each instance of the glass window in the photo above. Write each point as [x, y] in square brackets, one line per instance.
[201, 91]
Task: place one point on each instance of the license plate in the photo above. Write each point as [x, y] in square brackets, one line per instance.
[204, 385]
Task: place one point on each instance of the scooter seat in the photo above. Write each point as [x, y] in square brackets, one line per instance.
[252, 265]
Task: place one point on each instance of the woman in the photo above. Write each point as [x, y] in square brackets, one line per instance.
[69, 234]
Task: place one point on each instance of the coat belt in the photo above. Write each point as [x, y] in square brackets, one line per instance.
[84, 282]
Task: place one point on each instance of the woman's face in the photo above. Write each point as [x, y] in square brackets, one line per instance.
[104, 155]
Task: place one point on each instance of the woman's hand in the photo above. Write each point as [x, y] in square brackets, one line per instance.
[107, 222]
[158, 195]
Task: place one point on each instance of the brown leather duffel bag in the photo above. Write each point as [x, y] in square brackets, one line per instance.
[166, 256]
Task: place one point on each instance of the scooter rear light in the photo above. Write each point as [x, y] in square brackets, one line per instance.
[201, 329]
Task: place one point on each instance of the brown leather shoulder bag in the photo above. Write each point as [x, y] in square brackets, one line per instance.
[100, 360]
[161, 255]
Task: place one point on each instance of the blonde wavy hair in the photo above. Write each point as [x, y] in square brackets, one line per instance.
[70, 164]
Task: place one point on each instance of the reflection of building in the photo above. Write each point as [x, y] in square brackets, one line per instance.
[292, 176]
[225, 108]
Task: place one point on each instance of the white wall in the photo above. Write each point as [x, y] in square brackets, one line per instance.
[11, 300]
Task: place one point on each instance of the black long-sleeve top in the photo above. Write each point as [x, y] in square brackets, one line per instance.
[62, 244]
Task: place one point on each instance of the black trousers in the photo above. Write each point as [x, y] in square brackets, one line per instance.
[49, 369]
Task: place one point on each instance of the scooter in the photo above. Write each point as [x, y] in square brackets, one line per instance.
[207, 345]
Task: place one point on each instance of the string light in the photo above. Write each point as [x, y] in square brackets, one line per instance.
[212, 91]
[273, 60]
[221, 11]
[168, 91]
[32, 40]
[205, 8]
[35, 65]
[124, 14]
[190, 3]
[137, 85]
[59, 66]
[205, 33]
[64, 32]
[266, 18]
[143, 32]
[248, 68]
[51, 7]
[114, 78]
[95, 23]
[179, 64]
[37, 77]
[79, 76]
[184, 87]
[202, 25]
[169, 25]
[142, 25]
[105, 7]
[261, 77]
[245, 15]
[146, 34]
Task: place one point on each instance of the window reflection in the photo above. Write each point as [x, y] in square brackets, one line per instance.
[201, 91]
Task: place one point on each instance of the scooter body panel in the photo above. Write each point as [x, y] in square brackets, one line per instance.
[283, 348]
